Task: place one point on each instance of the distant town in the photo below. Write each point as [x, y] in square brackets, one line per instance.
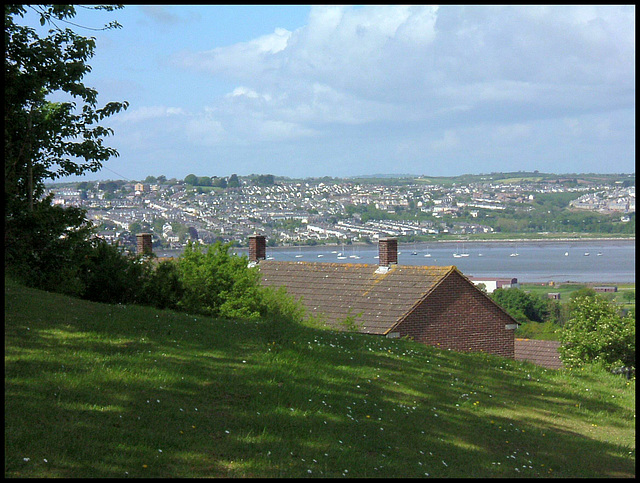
[359, 210]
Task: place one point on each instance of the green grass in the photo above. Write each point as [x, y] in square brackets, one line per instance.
[95, 390]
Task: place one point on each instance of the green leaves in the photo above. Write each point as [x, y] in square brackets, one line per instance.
[223, 285]
[598, 332]
[46, 140]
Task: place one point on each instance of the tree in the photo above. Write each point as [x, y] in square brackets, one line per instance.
[219, 182]
[233, 181]
[597, 332]
[204, 181]
[520, 305]
[265, 180]
[44, 139]
[191, 179]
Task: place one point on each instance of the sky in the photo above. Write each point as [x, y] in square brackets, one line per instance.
[312, 91]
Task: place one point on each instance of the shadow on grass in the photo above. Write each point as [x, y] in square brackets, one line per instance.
[107, 391]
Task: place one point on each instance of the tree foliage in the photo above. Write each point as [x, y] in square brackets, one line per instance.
[598, 333]
[46, 140]
[52, 244]
[233, 181]
[217, 283]
[520, 305]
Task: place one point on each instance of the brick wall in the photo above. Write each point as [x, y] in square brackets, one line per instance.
[257, 248]
[144, 244]
[457, 316]
[387, 251]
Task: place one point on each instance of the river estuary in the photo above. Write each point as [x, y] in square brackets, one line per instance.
[584, 261]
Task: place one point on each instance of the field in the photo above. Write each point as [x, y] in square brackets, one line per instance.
[95, 390]
[566, 289]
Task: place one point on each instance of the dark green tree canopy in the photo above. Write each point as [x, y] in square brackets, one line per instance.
[44, 139]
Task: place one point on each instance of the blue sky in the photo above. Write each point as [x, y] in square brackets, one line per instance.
[308, 91]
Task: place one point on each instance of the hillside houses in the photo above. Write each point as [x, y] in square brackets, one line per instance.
[619, 200]
[316, 212]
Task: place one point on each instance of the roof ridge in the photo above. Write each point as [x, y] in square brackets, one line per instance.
[348, 264]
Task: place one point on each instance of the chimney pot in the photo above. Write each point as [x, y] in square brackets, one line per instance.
[144, 244]
[257, 248]
[387, 251]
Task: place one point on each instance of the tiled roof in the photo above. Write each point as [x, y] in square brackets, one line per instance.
[340, 290]
[541, 352]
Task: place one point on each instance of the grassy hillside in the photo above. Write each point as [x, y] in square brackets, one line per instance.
[94, 390]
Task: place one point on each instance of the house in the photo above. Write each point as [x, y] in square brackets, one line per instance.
[609, 289]
[434, 305]
[493, 283]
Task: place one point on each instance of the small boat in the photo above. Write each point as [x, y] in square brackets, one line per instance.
[599, 254]
[566, 254]
[427, 255]
[515, 254]
[586, 254]
[464, 253]
[460, 255]
[320, 256]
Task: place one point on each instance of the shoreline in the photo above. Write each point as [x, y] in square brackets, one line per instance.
[464, 240]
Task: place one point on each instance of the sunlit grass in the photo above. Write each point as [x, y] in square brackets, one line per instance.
[94, 390]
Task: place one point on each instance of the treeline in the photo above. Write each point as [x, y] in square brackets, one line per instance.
[232, 182]
[73, 262]
[590, 327]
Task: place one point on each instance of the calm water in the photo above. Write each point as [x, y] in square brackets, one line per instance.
[536, 262]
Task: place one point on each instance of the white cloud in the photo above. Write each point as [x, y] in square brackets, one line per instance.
[429, 58]
[242, 60]
[475, 82]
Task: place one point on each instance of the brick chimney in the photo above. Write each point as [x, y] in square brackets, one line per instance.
[145, 246]
[387, 251]
[257, 248]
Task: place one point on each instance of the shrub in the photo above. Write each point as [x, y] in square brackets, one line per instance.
[597, 333]
[44, 247]
[219, 284]
[520, 305]
[109, 275]
[163, 286]
[538, 330]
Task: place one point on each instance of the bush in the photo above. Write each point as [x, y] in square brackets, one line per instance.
[163, 286]
[598, 333]
[520, 305]
[111, 276]
[538, 330]
[219, 284]
[44, 247]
